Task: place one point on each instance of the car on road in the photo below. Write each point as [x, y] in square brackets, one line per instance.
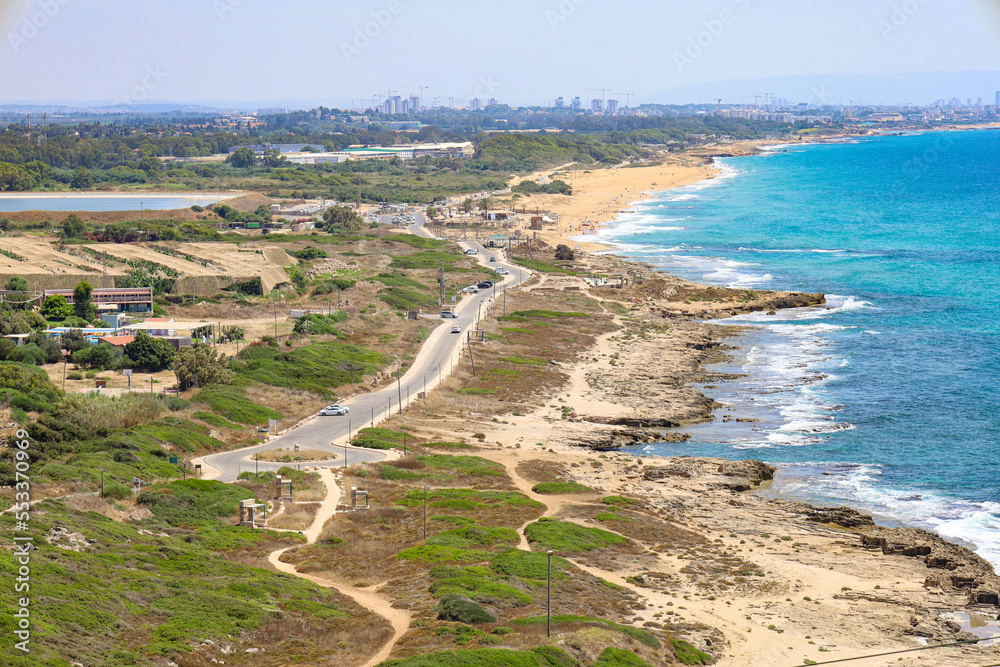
[486, 284]
[333, 411]
[493, 259]
[449, 314]
[502, 271]
[471, 289]
[456, 329]
[471, 251]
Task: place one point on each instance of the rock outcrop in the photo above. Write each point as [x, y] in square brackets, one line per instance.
[955, 567]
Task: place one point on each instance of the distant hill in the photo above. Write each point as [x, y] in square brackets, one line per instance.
[918, 88]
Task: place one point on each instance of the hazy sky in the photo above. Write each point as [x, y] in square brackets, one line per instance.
[519, 51]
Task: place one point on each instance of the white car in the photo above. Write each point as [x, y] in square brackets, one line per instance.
[333, 411]
[502, 271]
[456, 329]
[471, 289]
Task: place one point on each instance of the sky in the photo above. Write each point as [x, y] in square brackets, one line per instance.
[521, 52]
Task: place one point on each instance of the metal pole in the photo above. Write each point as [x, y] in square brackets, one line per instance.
[548, 600]
[399, 390]
[425, 514]
[373, 416]
[425, 386]
[255, 465]
[102, 482]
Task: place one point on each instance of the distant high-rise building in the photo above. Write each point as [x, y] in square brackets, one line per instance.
[560, 104]
[612, 107]
[968, 101]
[597, 105]
[492, 102]
[576, 104]
[998, 98]
[979, 101]
[476, 104]
[387, 106]
[414, 103]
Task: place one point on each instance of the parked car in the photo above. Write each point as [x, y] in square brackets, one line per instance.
[486, 284]
[449, 314]
[493, 259]
[471, 251]
[333, 411]
[471, 289]
[456, 329]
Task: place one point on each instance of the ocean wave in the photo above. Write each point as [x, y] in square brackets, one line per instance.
[793, 250]
[684, 197]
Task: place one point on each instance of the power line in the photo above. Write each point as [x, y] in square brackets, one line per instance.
[908, 650]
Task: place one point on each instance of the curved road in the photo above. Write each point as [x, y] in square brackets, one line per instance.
[438, 355]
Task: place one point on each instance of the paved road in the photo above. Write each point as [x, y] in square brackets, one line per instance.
[439, 354]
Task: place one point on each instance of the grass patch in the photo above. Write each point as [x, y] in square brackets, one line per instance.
[565, 536]
[470, 465]
[477, 583]
[553, 488]
[215, 420]
[401, 298]
[543, 656]
[616, 657]
[378, 438]
[397, 279]
[476, 391]
[417, 241]
[315, 367]
[619, 501]
[434, 553]
[640, 635]
[233, 404]
[611, 516]
[543, 266]
[528, 564]
[473, 536]
[524, 360]
[689, 655]
[468, 498]
[447, 445]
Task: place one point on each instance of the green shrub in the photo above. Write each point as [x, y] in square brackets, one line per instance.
[474, 536]
[565, 536]
[470, 465]
[528, 564]
[551, 488]
[378, 438]
[482, 657]
[620, 501]
[232, 403]
[616, 657]
[116, 490]
[462, 610]
[689, 655]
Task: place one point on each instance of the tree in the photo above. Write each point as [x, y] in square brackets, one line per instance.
[55, 308]
[432, 212]
[16, 284]
[101, 356]
[74, 341]
[564, 252]
[242, 158]
[82, 179]
[343, 217]
[150, 353]
[201, 365]
[467, 206]
[272, 158]
[72, 226]
[82, 304]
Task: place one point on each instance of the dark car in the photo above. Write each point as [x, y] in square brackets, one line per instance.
[486, 284]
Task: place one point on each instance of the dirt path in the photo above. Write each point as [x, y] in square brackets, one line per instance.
[365, 597]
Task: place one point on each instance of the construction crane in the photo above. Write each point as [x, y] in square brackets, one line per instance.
[627, 96]
[604, 92]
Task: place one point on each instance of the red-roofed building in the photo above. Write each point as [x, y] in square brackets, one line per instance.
[117, 341]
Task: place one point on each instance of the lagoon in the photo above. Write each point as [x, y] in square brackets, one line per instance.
[34, 201]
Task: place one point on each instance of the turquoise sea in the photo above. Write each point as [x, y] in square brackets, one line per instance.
[887, 399]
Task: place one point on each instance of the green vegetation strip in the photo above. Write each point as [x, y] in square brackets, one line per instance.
[640, 635]
[544, 656]
[551, 488]
[565, 536]
[378, 438]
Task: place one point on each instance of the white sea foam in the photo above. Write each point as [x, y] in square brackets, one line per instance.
[863, 487]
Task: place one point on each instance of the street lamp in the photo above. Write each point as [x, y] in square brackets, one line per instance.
[102, 482]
